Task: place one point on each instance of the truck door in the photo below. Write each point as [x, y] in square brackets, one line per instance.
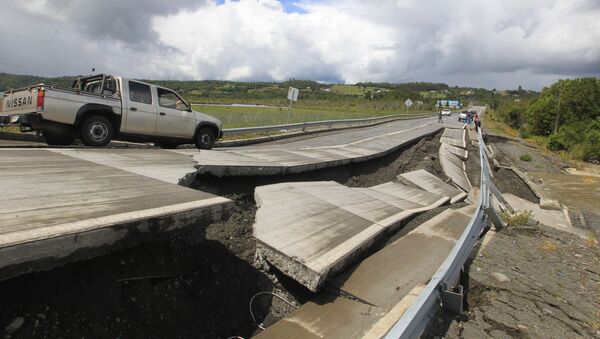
[174, 119]
[141, 111]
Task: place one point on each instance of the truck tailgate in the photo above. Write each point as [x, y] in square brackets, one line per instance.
[20, 101]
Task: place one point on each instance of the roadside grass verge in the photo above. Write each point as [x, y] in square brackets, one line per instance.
[235, 116]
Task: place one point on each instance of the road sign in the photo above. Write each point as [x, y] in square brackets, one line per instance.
[293, 94]
[408, 103]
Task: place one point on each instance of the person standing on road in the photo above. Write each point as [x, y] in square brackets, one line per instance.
[477, 123]
[439, 116]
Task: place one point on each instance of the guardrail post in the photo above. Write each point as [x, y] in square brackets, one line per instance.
[452, 301]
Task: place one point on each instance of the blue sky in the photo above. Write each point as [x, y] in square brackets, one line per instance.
[290, 6]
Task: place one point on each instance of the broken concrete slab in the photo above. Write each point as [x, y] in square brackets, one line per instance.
[383, 280]
[431, 183]
[56, 208]
[312, 230]
[463, 154]
[454, 168]
[416, 195]
[549, 204]
[162, 165]
[552, 218]
[326, 316]
[380, 288]
[455, 137]
[312, 153]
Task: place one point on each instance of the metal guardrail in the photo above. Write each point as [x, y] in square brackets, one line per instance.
[326, 123]
[439, 292]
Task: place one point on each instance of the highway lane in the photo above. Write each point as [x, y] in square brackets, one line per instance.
[58, 196]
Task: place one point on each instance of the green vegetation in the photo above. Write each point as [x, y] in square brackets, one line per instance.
[525, 157]
[565, 117]
[317, 101]
[236, 116]
[518, 218]
[8, 81]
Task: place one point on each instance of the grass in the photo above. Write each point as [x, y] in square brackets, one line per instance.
[525, 157]
[518, 218]
[234, 117]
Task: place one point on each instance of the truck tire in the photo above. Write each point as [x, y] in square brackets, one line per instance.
[57, 138]
[205, 138]
[97, 131]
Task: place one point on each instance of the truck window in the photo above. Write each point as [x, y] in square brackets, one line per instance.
[169, 99]
[140, 93]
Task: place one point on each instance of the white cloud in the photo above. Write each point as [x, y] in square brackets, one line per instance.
[500, 43]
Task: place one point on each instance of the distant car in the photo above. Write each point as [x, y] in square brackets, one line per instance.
[447, 112]
[462, 116]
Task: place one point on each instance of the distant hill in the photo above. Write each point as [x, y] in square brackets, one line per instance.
[8, 81]
[374, 96]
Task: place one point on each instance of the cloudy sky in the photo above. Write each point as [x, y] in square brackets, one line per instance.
[492, 43]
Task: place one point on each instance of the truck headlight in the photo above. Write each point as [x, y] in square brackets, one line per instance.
[14, 119]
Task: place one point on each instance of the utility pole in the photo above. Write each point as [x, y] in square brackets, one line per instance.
[557, 118]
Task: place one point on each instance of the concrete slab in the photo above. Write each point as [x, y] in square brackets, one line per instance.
[167, 166]
[312, 230]
[56, 208]
[472, 132]
[416, 195]
[549, 204]
[431, 183]
[385, 283]
[326, 316]
[311, 153]
[552, 218]
[454, 168]
[383, 280]
[455, 137]
[459, 152]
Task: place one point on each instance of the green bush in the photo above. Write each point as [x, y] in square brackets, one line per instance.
[555, 143]
[591, 145]
[525, 157]
[568, 136]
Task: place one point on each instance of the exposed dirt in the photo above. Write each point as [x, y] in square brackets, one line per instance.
[194, 283]
[508, 182]
[509, 151]
[531, 280]
[552, 288]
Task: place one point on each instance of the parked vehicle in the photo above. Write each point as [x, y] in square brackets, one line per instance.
[101, 108]
[462, 116]
[446, 112]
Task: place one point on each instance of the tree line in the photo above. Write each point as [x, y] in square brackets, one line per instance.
[567, 113]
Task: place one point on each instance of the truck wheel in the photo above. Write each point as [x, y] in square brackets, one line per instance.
[57, 138]
[96, 131]
[205, 138]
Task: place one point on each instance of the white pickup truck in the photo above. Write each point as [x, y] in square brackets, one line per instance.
[100, 108]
